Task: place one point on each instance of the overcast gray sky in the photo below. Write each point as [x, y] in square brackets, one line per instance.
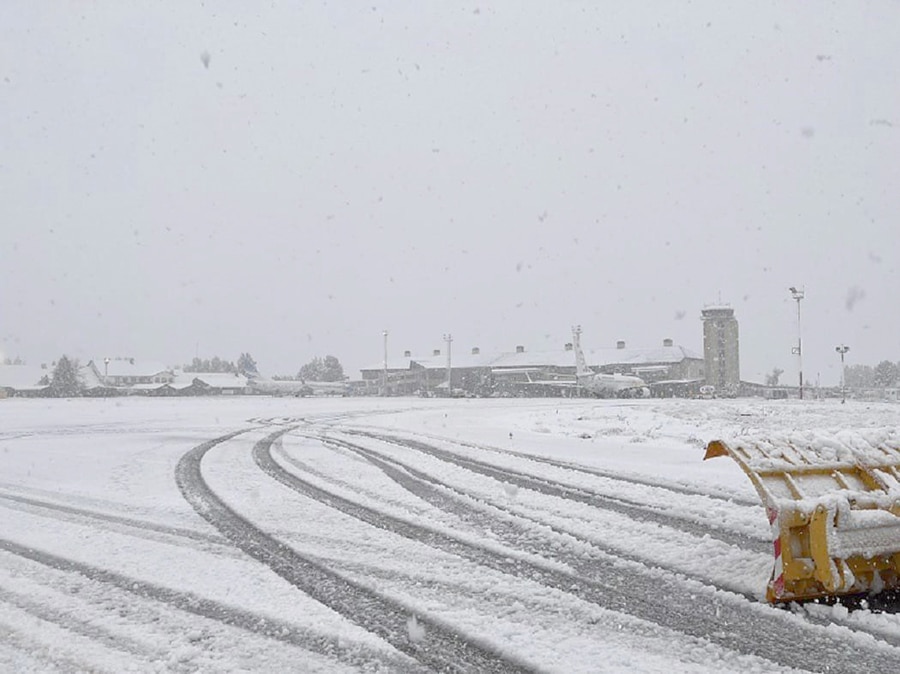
[290, 179]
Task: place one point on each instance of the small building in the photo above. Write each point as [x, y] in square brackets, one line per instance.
[554, 362]
[210, 383]
[24, 381]
[131, 373]
[93, 385]
[652, 364]
[392, 377]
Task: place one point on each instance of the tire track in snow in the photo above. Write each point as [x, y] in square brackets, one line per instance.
[620, 585]
[78, 626]
[558, 463]
[248, 621]
[38, 652]
[81, 514]
[626, 507]
[512, 529]
[443, 650]
[328, 418]
[445, 497]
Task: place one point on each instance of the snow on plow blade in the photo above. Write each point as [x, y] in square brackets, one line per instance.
[833, 502]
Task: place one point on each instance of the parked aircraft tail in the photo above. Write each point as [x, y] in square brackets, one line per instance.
[581, 368]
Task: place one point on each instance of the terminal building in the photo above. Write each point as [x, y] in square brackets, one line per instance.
[523, 372]
[669, 370]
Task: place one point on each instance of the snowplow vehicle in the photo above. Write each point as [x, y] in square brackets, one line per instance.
[833, 502]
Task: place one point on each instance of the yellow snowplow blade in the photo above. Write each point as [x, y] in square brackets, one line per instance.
[833, 502]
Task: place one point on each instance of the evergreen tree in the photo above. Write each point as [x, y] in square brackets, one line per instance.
[322, 369]
[332, 370]
[196, 365]
[246, 364]
[65, 382]
[312, 371]
[885, 374]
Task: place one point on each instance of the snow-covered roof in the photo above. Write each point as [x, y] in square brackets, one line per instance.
[596, 357]
[462, 360]
[431, 362]
[659, 354]
[393, 364]
[221, 379]
[184, 379]
[560, 358]
[533, 359]
[89, 378]
[22, 377]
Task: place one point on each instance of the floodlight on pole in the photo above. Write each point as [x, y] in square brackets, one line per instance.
[842, 349]
[798, 350]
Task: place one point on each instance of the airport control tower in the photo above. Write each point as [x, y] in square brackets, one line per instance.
[720, 349]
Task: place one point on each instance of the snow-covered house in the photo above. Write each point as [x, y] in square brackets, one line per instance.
[209, 383]
[222, 383]
[131, 373]
[24, 380]
[92, 384]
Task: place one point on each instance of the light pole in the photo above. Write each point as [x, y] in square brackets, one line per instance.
[449, 339]
[576, 347]
[842, 349]
[106, 371]
[798, 350]
[384, 371]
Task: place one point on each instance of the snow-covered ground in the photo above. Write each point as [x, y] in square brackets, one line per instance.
[328, 535]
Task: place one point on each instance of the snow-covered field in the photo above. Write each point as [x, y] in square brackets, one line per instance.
[329, 535]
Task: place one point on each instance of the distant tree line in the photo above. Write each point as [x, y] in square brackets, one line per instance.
[884, 375]
[214, 364]
[328, 368]
[245, 364]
